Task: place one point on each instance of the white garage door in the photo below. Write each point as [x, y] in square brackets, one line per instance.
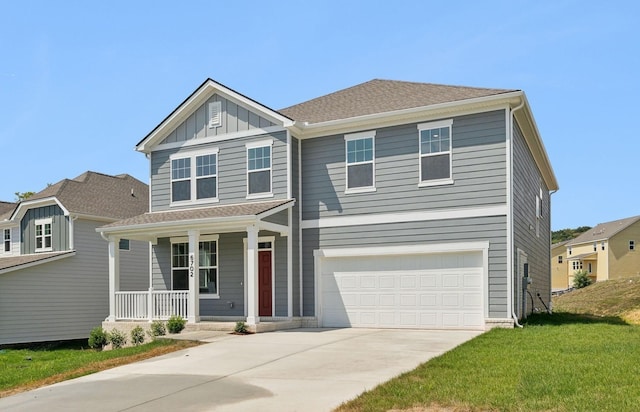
[433, 291]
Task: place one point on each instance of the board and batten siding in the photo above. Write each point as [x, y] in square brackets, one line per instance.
[527, 182]
[235, 118]
[232, 171]
[63, 299]
[59, 228]
[491, 229]
[478, 163]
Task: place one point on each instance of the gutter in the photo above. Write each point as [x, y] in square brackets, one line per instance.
[510, 271]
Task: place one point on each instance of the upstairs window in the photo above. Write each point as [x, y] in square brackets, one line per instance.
[435, 153]
[360, 168]
[595, 246]
[43, 235]
[259, 171]
[7, 240]
[632, 245]
[569, 250]
[602, 245]
[560, 259]
[194, 178]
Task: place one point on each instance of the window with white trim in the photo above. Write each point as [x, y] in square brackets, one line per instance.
[43, 235]
[632, 245]
[560, 259]
[194, 177]
[180, 266]
[7, 240]
[259, 171]
[602, 245]
[569, 250]
[208, 261]
[360, 162]
[595, 246]
[208, 265]
[435, 153]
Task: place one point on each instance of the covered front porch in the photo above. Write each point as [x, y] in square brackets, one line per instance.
[211, 266]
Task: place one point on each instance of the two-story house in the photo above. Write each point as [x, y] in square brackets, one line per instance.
[607, 251]
[53, 264]
[387, 204]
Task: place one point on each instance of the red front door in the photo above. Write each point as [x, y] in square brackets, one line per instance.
[264, 283]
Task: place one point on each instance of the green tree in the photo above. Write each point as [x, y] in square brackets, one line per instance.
[567, 234]
[20, 196]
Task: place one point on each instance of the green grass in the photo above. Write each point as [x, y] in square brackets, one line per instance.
[559, 362]
[24, 369]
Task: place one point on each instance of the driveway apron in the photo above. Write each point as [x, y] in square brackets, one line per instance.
[297, 370]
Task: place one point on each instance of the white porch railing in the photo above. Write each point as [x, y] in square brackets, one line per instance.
[151, 305]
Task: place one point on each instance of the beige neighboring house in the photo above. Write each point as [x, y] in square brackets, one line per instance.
[559, 273]
[607, 251]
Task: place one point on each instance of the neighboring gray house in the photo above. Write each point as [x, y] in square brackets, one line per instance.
[387, 204]
[53, 264]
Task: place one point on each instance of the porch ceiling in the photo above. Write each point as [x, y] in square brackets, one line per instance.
[584, 256]
[224, 218]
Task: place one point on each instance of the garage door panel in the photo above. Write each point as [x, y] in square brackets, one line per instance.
[384, 292]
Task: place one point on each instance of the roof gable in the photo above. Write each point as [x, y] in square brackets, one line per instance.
[381, 96]
[187, 115]
[604, 231]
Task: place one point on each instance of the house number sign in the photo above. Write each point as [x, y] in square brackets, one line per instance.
[192, 268]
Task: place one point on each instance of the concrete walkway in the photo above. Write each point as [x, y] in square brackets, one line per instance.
[296, 370]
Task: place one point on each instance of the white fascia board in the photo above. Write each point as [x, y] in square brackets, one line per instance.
[222, 138]
[416, 114]
[22, 208]
[152, 229]
[39, 262]
[274, 227]
[403, 250]
[403, 217]
[208, 89]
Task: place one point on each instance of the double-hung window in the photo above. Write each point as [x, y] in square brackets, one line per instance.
[208, 265]
[360, 162]
[632, 245]
[6, 237]
[435, 153]
[194, 177]
[43, 235]
[259, 170]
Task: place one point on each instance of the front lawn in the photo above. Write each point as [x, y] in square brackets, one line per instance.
[559, 362]
[24, 369]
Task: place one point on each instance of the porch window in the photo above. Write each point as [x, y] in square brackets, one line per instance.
[7, 240]
[208, 267]
[43, 235]
[360, 159]
[180, 266]
[435, 153]
[259, 170]
[577, 265]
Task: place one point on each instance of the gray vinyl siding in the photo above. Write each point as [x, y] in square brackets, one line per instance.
[280, 218]
[527, 182]
[232, 171]
[235, 118]
[230, 274]
[491, 229]
[59, 228]
[63, 299]
[134, 266]
[478, 163]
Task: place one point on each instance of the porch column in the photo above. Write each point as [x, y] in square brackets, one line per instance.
[114, 276]
[193, 314]
[252, 275]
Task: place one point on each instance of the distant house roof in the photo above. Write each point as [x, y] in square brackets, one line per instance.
[5, 209]
[7, 264]
[558, 244]
[381, 96]
[604, 231]
[99, 195]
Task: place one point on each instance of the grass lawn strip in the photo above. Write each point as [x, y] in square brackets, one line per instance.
[561, 362]
[26, 369]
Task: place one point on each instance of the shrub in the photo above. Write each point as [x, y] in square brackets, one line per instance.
[117, 338]
[98, 338]
[137, 335]
[241, 327]
[157, 329]
[581, 279]
[175, 324]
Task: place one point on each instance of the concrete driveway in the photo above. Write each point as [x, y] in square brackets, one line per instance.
[297, 370]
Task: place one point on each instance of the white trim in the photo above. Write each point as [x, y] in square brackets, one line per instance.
[259, 196]
[22, 208]
[400, 250]
[430, 183]
[272, 249]
[255, 145]
[300, 291]
[417, 216]
[360, 136]
[288, 165]
[193, 155]
[430, 126]
[259, 143]
[43, 223]
[435, 125]
[290, 266]
[273, 227]
[214, 139]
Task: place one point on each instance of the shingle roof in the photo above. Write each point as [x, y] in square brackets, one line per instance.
[10, 263]
[226, 211]
[604, 230]
[97, 194]
[5, 209]
[381, 96]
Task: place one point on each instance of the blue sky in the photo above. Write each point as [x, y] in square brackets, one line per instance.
[82, 82]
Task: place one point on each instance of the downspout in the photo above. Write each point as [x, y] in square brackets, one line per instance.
[72, 232]
[510, 215]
